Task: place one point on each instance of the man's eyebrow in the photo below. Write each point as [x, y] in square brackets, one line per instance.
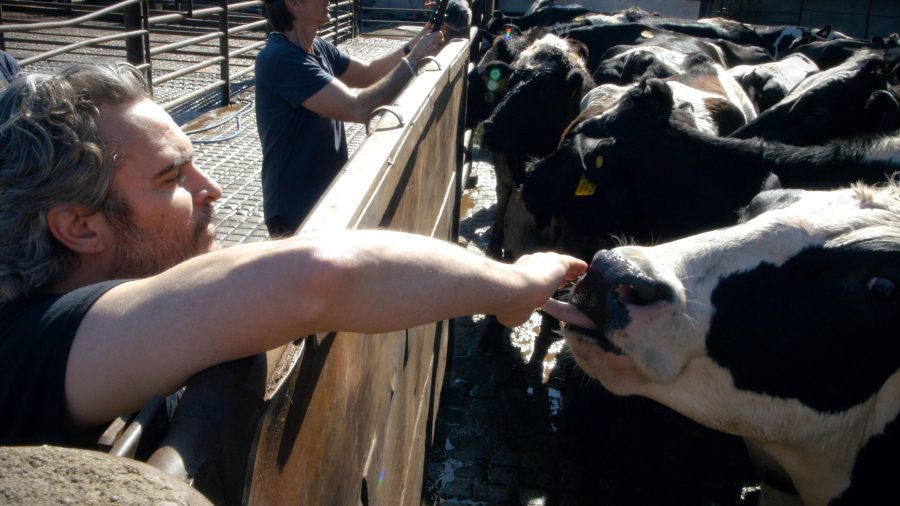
[177, 162]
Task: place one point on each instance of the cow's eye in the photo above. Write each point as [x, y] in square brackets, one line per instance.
[882, 287]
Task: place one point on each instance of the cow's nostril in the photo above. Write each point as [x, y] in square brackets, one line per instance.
[640, 294]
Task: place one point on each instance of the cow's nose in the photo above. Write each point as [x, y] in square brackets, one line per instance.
[613, 282]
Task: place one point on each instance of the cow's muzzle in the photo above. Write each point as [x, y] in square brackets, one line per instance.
[611, 285]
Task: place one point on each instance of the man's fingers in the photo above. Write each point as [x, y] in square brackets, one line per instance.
[577, 267]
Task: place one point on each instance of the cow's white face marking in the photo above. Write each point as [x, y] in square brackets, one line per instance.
[790, 33]
[842, 72]
[787, 73]
[537, 53]
[703, 119]
[605, 99]
[735, 94]
[604, 96]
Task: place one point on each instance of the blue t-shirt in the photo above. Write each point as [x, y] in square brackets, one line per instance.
[302, 152]
[9, 67]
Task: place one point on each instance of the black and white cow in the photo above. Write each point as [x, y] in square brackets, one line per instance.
[488, 82]
[781, 40]
[849, 100]
[831, 53]
[545, 89]
[631, 63]
[781, 330]
[768, 83]
[643, 170]
[700, 87]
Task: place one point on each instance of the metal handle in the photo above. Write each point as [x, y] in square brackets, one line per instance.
[379, 110]
[427, 58]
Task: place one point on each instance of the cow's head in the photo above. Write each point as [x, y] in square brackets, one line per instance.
[781, 329]
[852, 99]
[602, 181]
[488, 81]
[545, 89]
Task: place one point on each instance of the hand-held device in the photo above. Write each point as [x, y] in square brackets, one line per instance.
[437, 17]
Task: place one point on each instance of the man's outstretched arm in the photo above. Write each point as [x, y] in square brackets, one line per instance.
[147, 337]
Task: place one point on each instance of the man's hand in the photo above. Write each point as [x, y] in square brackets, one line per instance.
[425, 43]
[544, 272]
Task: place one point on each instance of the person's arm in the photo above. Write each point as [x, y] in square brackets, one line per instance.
[147, 337]
[361, 73]
[338, 100]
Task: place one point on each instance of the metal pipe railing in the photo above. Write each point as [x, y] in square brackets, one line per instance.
[90, 42]
[30, 27]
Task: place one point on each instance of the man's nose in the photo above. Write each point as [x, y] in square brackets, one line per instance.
[204, 188]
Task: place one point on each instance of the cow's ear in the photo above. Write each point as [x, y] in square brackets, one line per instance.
[592, 152]
[771, 183]
[579, 49]
[884, 109]
[575, 79]
[654, 94]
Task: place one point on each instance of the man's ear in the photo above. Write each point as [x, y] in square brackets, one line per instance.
[78, 229]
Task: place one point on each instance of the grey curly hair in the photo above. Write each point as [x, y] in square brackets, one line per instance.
[51, 154]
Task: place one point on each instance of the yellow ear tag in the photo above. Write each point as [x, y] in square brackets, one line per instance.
[647, 34]
[598, 162]
[585, 187]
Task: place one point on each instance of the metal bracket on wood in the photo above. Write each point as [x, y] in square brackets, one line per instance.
[377, 113]
[428, 59]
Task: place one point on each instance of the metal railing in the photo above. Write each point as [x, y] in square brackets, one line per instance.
[857, 19]
[165, 45]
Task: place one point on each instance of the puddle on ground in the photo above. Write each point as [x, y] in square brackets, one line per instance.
[524, 338]
[466, 204]
[212, 117]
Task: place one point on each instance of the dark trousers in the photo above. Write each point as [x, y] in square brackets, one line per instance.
[280, 227]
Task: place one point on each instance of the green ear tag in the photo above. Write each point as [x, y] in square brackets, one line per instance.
[585, 187]
[598, 162]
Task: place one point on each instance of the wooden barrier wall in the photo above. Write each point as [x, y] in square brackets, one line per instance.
[345, 418]
[353, 421]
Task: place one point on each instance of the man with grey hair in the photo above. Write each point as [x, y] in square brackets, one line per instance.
[111, 286]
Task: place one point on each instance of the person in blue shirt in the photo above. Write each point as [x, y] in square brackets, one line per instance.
[305, 89]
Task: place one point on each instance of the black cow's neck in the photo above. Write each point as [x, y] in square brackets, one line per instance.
[874, 478]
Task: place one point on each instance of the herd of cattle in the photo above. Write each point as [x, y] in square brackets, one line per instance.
[614, 129]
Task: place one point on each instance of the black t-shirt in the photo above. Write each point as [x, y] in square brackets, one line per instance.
[36, 333]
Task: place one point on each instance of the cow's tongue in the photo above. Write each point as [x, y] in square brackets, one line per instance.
[568, 313]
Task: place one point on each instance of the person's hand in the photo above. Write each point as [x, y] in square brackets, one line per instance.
[425, 31]
[428, 44]
[544, 273]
